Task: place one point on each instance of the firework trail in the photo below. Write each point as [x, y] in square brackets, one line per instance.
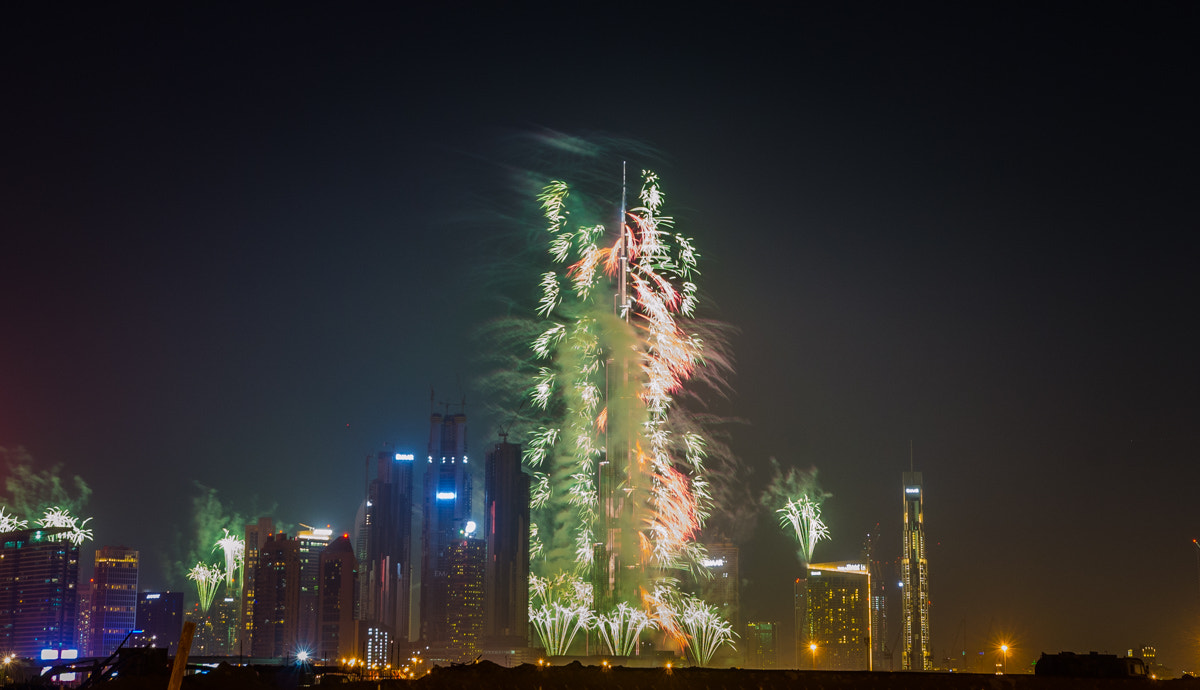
[206, 577]
[804, 517]
[558, 609]
[619, 485]
[796, 498]
[621, 628]
[10, 523]
[234, 550]
[74, 530]
[707, 631]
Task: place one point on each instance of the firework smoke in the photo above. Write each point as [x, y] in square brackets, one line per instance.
[796, 499]
[30, 492]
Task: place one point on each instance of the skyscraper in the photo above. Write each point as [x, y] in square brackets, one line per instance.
[277, 598]
[916, 651]
[506, 530]
[720, 587]
[114, 598]
[762, 644]
[386, 563]
[160, 617]
[310, 543]
[464, 598]
[447, 508]
[838, 616]
[337, 591]
[256, 537]
[39, 576]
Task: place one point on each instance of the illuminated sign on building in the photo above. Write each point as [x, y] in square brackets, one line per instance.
[404, 456]
[445, 495]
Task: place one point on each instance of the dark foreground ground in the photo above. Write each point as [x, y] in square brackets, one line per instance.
[487, 676]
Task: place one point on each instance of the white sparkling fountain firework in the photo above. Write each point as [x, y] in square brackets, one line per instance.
[619, 487]
[796, 499]
[234, 550]
[206, 577]
[60, 518]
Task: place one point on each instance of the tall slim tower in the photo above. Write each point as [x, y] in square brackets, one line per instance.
[916, 652]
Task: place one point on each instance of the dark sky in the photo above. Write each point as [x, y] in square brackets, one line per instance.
[240, 245]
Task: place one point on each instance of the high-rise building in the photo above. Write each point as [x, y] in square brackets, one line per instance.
[39, 577]
[256, 537]
[83, 624]
[277, 599]
[881, 656]
[916, 652]
[310, 543]
[719, 584]
[384, 530]
[464, 598]
[838, 616]
[447, 509]
[506, 530]
[762, 644]
[160, 618]
[114, 598]
[337, 590]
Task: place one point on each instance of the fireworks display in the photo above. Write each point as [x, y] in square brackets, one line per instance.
[234, 550]
[707, 631]
[804, 516]
[796, 499]
[619, 488]
[65, 525]
[206, 577]
[9, 523]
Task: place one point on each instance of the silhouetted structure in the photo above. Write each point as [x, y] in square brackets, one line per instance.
[277, 598]
[762, 644]
[256, 537]
[160, 618]
[506, 530]
[338, 588]
[389, 567]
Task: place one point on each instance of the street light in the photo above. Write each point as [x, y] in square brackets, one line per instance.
[812, 646]
[1004, 651]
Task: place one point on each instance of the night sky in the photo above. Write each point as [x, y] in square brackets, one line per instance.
[241, 245]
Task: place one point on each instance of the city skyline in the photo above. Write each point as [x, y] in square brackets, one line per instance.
[243, 252]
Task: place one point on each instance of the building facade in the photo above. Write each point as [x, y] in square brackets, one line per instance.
[506, 531]
[337, 590]
[464, 598]
[762, 644]
[838, 617]
[160, 618]
[114, 598]
[277, 599]
[39, 578]
[916, 651]
[447, 509]
[256, 537]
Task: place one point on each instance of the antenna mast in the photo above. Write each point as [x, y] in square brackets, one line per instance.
[623, 283]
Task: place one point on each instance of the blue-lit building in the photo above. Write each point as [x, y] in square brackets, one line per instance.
[447, 510]
[39, 577]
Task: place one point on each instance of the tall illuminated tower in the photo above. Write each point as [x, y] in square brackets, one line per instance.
[447, 512]
[916, 653]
